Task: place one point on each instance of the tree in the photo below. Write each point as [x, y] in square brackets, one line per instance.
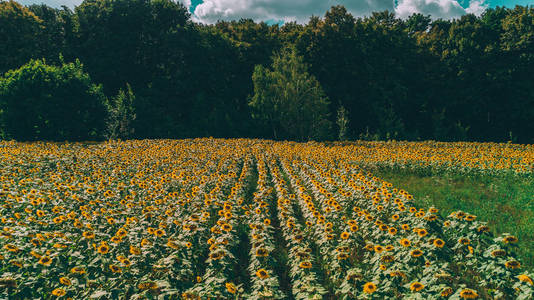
[290, 100]
[342, 122]
[44, 102]
[121, 115]
[55, 34]
[19, 33]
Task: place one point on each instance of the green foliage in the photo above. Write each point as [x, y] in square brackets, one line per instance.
[44, 102]
[414, 79]
[342, 122]
[289, 99]
[121, 115]
[19, 31]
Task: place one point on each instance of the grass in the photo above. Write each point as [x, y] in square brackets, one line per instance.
[505, 202]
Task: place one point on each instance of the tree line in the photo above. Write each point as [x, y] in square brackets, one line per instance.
[144, 69]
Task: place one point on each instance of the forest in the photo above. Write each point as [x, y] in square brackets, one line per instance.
[137, 69]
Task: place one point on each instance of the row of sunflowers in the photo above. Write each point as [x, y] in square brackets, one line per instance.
[234, 219]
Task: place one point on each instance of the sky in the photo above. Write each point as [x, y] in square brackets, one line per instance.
[281, 11]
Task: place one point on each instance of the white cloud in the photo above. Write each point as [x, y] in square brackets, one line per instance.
[52, 3]
[477, 7]
[446, 9]
[288, 10]
[300, 10]
[186, 3]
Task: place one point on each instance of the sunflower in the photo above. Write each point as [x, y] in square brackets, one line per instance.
[16, 263]
[387, 258]
[134, 250]
[11, 248]
[262, 252]
[405, 242]
[498, 252]
[88, 235]
[103, 249]
[397, 274]
[231, 288]
[510, 239]
[59, 292]
[416, 286]
[439, 243]
[513, 264]
[525, 278]
[121, 233]
[126, 262]
[226, 227]
[305, 265]
[464, 241]
[345, 235]
[45, 261]
[147, 285]
[483, 228]
[159, 232]
[217, 255]
[468, 294]
[369, 247]
[392, 231]
[267, 222]
[446, 292]
[470, 218]
[173, 245]
[115, 269]
[262, 274]
[369, 287]
[65, 281]
[35, 254]
[432, 218]
[416, 253]
[354, 277]
[422, 232]
[342, 256]
[77, 270]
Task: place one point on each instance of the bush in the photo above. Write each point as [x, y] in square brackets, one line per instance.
[55, 103]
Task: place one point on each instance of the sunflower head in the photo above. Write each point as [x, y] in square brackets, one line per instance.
[405, 242]
[231, 288]
[262, 274]
[416, 286]
[468, 294]
[526, 279]
[59, 292]
[45, 260]
[369, 287]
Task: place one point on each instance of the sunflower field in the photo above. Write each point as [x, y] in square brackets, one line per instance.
[246, 219]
